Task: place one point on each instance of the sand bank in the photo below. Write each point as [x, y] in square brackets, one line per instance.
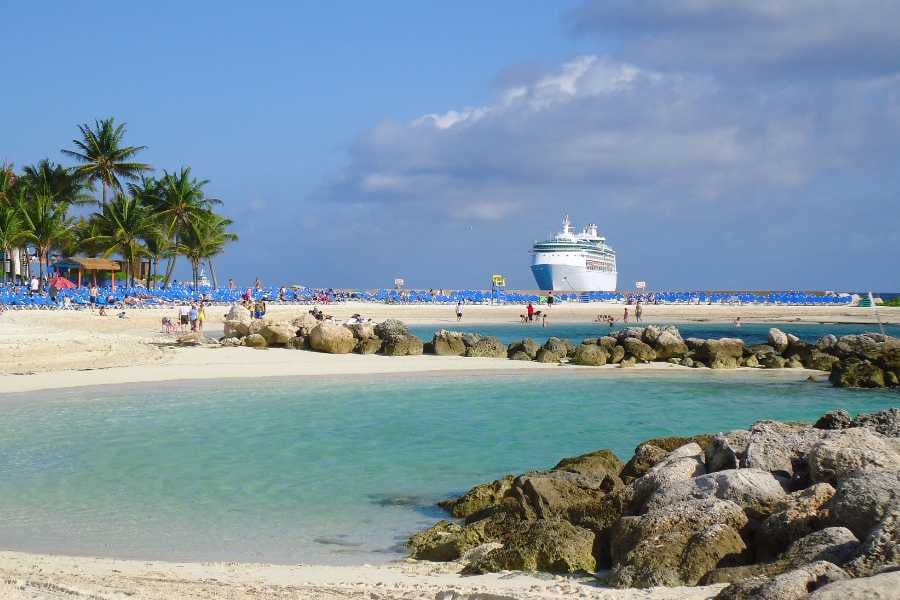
[40, 577]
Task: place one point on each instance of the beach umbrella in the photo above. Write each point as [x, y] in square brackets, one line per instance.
[61, 283]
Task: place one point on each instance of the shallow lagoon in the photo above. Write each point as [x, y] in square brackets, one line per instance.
[321, 471]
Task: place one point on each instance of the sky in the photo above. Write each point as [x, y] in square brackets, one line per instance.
[717, 144]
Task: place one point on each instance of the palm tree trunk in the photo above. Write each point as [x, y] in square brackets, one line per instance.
[40, 269]
[212, 273]
[103, 194]
[169, 269]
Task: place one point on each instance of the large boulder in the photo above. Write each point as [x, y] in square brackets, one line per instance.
[580, 499]
[361, 331]
[551, 545]
[676, 544]
[835, 419]
[883, 586]
[880, 549]
[237, 321]
[818, 360]
[278, 333]
[304, 324]
[254, 340]
[798, 515]
[778, 340]
[756, 491]
[781, 449]
[406, 345]
[331, 338]
[724, 353]
[864, 346]
[638, 349]
[527, 346]
[391, 329]
[448, 343]
[590, 355]
[546, 356]
[681, 464]
[479, 498]
[834, 544]
[486, 347]
[841, 453]
[645, 457]
[560, 346]
[370, 345]
[885, 422]
[600, 464]
[445, 541]
[667, 346]
[863, 500]
[854, 372]
[727, 450]
[792, 585]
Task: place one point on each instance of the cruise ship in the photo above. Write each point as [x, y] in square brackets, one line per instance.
[575, 261]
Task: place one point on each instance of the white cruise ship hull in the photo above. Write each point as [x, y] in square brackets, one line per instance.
[569, 277]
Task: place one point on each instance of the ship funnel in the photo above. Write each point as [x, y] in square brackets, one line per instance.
[567, 225]
[591, 230]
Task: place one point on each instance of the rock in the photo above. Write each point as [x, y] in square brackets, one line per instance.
[407, 345]
[519, 355]
[237, 321]
[726, 450]
[669, 346]
[778, 340]
[361, 331]
[445, 541]
[880, 549]
[627, 362]
[527, 346]
[194, 338]
[751, 362]
[479, 498]
[864, 499]
[546, 356]
[677, 544]
[278, 333]
[607, 342]
[773, 362]
[758, 572]
[590, 355]
[841, 453]
[448, 343]
[754, 490]
[800, 514]
[791, 585]
[724, 353]
[793, 363]
[558, 345]
[298, 342]
[687, 361]
[255, 340]
[683, 463]
[883, 586]
[370, 345]
[577, 498]
[820, 361]
[650, 335]
[836, 545]
[490, 347]
[304, 324]
[630, 332]
[885, 422]
[552, 546]
[638, 349]
[836, 419]
[863, 347]
[616, 355]
[391, 330]
[645, 456]
[231, 342]
[761, 351]
[599, 464]
[781, 449]
[826, 342]
[331, 338]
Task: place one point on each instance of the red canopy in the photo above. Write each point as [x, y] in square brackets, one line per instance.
[61, 283]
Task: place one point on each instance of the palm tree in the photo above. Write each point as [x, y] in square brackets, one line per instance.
[7, 184]
[121, 226]
[56, 181]
[157, 245]
[47, 225]
[11, 234]
[103, 156]
[180, 203]
[205, 239]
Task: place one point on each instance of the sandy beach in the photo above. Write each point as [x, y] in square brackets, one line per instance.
[58, 349]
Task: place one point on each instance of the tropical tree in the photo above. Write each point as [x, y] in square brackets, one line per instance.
[55, 181]
[7, 184]
[121, 226]
[47, 225]
[180, 204]
[12, 233]
[103, 156]
[205, 239]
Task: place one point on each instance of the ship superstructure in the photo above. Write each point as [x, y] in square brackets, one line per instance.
[572, 261]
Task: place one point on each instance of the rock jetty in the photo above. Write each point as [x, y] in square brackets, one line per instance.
[867, 360]
[781, 510]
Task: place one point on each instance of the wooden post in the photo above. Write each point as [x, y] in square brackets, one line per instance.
[94, 275]
[79, 277]
[112, 274]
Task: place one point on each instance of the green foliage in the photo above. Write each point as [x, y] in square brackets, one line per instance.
[892, 302]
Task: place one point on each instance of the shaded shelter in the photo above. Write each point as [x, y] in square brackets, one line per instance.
[89, 266]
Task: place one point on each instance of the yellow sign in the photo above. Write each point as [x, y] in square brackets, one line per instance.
[498, 280]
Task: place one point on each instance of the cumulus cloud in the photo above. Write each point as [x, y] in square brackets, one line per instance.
[799, 38]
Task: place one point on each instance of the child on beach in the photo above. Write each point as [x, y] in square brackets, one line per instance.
[201, 316]
[458, 311]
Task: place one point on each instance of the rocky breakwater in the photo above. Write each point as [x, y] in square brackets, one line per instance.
[782, 510]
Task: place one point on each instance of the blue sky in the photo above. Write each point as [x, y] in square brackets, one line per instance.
[717, 144]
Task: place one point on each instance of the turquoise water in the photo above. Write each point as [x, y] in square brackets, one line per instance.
[752, 333]
[320, 471]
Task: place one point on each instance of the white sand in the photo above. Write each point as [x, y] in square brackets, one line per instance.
[34, 576]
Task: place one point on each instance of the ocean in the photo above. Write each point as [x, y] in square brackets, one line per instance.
[330, 471]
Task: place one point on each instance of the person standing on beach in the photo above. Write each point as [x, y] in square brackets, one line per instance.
[184, 314]
[638, 311]
[34, 285]
[201, 316]
[93, 296]
[458, 311]
[193, 314]
[625, 318]
[530, 311]
[549, 299]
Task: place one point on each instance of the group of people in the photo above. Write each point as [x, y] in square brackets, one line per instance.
[189, 315]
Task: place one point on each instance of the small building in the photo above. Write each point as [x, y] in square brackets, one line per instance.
[88, 266]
